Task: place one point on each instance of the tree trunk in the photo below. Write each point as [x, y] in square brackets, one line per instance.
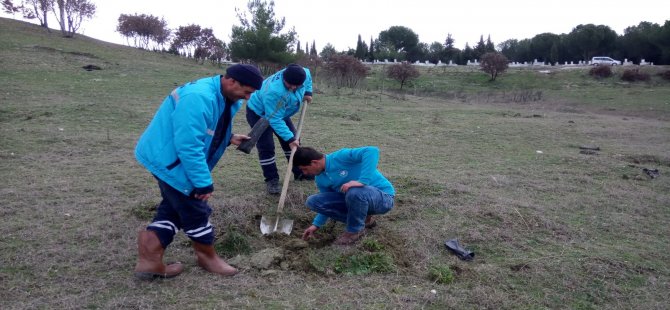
[61, 20]
[45, 23]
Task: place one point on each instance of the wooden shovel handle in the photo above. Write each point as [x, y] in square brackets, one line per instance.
[287, 176]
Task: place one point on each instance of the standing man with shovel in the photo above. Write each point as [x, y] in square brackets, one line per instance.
[279, 98]
[351, 189]
[180, 147]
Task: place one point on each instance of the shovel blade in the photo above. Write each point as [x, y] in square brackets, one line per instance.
[268, 225]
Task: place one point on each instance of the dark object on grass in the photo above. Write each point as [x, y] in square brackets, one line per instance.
[589, 147]
[462, 253]
[588, 152]
[91, 67]
[652, 173]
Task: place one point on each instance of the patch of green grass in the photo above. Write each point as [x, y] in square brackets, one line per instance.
[145, 210]
[323, 260]
[411, 185]
[233, 243]
[364, 263]
[441, 274]
[372, 245]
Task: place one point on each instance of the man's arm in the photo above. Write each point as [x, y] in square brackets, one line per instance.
[308, 86]
[276, 120]
[190, 131]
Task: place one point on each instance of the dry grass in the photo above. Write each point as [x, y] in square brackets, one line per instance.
[556, 229]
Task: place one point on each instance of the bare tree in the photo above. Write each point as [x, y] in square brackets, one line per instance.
[186, 39]
[494, 63]
[9, 7]
[143, 29]
[208, 46]
[71, 13]
[37, 9]
[402, 73]
[345, 71]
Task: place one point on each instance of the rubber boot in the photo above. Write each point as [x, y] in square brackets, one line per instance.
[150, 258]
[273, 187]
[210, 261]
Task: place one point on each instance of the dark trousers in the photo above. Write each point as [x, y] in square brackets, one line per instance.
[178, 211]
[266, 147]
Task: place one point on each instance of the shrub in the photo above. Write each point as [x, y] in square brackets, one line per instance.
[402, 73]
[632, 75]
[494, 63]
[601, 71]
[345, 71]
[665, 75]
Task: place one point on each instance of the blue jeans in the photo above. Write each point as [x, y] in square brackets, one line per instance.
[351, 208]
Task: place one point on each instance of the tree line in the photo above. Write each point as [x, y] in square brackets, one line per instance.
[262, 39]
[649, 41]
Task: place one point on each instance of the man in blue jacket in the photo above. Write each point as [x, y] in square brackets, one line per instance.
[351, 189]
[280, 97]
[186, 138]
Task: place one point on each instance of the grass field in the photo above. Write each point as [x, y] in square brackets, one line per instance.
[496, 165]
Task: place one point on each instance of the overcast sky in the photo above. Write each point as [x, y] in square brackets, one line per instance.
[339, 22]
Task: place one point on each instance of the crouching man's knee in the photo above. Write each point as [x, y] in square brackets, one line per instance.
[312, 202]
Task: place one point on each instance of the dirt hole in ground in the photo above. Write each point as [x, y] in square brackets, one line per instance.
[380, 250]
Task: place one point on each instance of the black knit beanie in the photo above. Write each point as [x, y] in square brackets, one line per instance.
[246, 74]
[294, 74]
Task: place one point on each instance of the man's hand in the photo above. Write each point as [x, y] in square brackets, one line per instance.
[309, 232]
[308, 99]
[203, 197]
[237, 139]
[294, 144]
[346, 186]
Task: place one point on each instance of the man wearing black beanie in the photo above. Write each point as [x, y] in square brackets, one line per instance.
[280, 97]
[186, 138]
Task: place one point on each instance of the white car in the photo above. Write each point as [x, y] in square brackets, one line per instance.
[602, 60]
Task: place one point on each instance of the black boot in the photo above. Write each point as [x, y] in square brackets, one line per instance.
[273, 187]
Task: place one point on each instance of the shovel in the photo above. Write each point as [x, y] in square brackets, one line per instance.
[274, 224]
[257, 130]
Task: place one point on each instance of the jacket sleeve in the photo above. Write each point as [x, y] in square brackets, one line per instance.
[190, 132]
[308, 83]
[277, 120]
[368, 157]
[320, 220]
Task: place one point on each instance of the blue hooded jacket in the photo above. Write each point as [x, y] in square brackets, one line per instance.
[266, 100]
[175, 145]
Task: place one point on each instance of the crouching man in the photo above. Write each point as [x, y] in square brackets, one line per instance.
[351, 189]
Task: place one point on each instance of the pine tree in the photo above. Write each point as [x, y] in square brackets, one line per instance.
[371, 52]
[489, 45]
[361, 49]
